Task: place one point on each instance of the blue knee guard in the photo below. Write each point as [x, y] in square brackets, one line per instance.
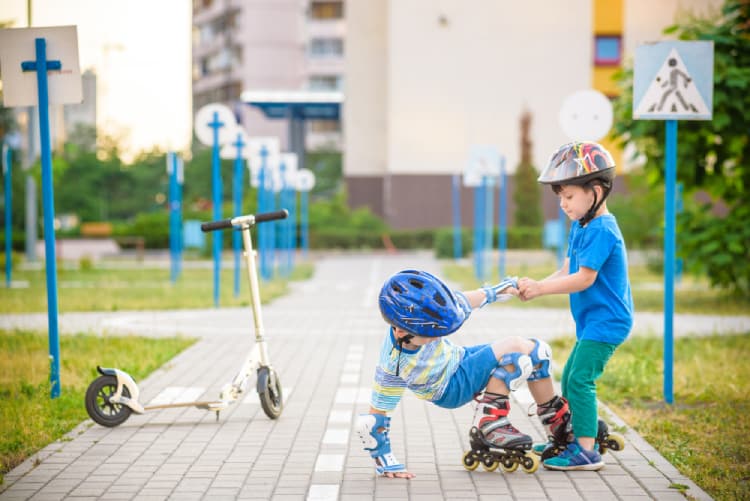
[522, 368]
[541, 356]
[377, 442]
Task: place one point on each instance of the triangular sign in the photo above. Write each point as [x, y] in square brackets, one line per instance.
[672, 93]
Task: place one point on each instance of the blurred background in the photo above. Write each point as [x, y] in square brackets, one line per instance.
[403, 90]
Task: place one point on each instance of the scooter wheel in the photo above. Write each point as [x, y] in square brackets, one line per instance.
[100, 409]
[269, 392]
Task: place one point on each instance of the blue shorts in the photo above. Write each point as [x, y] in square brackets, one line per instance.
[471, 377]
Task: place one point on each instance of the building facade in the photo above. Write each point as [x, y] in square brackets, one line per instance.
[427, 81]
[268, 45]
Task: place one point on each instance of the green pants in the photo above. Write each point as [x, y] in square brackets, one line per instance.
[584, 366]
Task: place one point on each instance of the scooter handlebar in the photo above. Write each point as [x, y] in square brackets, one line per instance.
[251, 219]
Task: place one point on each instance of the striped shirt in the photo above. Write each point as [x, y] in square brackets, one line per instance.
[425, 371]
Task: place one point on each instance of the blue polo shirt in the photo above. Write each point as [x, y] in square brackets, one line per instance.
[604, 311]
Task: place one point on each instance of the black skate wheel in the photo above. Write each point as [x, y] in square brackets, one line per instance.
[489, 463]
[509, 466]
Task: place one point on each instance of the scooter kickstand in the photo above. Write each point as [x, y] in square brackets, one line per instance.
[217, 416]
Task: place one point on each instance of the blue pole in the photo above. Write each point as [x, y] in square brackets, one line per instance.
[41, 65]
[456, 197]
[669, 254]
[215, 124]
[304, 236]
[502, 219]
[180, 181]
[238, 189]
[172, 251]
[263, 207]
[489, 222]
[8, 172]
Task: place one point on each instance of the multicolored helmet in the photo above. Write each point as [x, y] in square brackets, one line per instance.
[422, 304]
[581, 163]
[578, 163]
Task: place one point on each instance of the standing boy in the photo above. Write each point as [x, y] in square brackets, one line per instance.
[595, 274]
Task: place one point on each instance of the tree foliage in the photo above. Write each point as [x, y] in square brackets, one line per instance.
[712, 156]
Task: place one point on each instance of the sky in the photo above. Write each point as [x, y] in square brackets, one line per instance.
[141, 52]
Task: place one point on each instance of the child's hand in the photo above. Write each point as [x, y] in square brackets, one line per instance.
[529, 288]
[399, 474]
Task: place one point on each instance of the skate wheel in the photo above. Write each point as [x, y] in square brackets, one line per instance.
[469, 461]
[615, 442]
[530, 462]
[490, 464]
[509, 466]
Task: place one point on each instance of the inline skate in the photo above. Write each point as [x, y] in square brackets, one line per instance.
[495, 442]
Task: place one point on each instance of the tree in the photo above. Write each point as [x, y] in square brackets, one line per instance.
[527, 195]
[713, 156]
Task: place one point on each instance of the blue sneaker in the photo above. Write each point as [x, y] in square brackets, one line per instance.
[575, 457]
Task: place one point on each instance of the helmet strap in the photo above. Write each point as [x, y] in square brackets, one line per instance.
[401, 342]
[586, 219]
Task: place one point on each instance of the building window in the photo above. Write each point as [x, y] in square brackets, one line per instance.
[326, 10]
[326, 47]
[607, 50]
[325, 82]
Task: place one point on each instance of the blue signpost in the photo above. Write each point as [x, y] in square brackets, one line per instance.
[18, 90]
[237, 190]
[672, 81]
[8, 173]
[41, 66]
[214, 126]
[175, 172]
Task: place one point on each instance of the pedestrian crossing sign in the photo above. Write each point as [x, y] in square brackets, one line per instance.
[673, 81]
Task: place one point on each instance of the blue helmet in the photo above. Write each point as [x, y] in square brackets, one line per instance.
[421, 304]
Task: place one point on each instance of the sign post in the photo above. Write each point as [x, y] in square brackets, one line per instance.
[672, 81]
[176, 177]
[236, 149]
[24, 58]
[264, 164]
[214, 126]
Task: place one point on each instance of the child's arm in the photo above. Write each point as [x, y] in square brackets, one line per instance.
[373, 429]
[557, 283]
[490, 294]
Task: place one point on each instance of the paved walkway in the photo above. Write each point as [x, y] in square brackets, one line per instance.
[324, 338]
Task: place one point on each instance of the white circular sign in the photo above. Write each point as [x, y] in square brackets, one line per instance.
[206, 115]
[586, 115]
[305, 180]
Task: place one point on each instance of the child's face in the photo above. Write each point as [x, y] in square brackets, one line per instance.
[575, 201]
[415, 340]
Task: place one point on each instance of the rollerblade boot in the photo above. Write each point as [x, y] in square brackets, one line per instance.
[555, 417]
[495, 441]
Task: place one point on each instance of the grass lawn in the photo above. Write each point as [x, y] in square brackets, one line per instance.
[136, 289]
[29, 419]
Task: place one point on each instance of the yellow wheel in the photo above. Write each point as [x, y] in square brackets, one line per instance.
[530, 462]
[470, 463]
[615, 442]
[509, 466]
[490, 464]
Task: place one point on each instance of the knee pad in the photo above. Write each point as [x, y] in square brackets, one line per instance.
[541, 356]
[522, 368]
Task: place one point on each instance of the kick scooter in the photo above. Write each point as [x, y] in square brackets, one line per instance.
[113, 396]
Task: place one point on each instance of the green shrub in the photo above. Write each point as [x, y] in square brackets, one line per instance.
[444, 243]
